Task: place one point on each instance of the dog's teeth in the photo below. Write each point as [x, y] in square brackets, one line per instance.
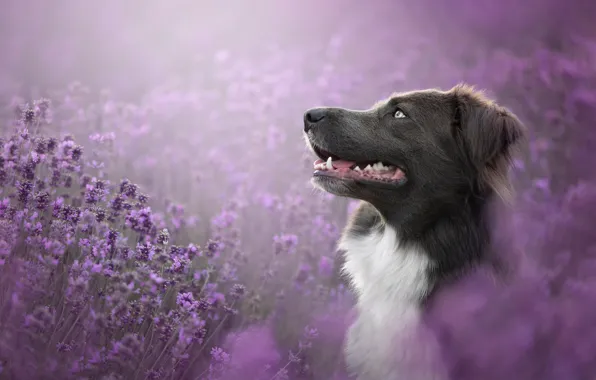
[368, 168]
[380, 167]
[357, 168]
[328, 164]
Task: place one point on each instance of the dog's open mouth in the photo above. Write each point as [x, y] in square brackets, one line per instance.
[331, 165]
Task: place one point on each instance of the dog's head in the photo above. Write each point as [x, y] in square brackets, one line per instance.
[417, 152]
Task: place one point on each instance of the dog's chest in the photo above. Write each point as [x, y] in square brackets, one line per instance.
[390, 281]
[385, 274]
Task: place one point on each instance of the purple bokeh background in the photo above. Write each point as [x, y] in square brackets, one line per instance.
[199, 106]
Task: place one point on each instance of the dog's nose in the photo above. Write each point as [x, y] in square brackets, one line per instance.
[313, 116]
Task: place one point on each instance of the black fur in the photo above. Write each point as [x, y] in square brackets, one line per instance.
[454, 147]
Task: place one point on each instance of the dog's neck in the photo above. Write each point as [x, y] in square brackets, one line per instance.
[384, 261]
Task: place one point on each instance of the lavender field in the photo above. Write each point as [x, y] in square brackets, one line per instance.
[156, 215]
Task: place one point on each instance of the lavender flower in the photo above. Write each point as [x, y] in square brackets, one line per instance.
[285, 243]
[163, 237]
[24, 190]
[28, 116]
[42, 200]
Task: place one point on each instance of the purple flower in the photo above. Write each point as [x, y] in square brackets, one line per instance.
[145, 252]
[203, 304]
[42, 200]
[213, 248]
[179, 264]
[193, 251]
[143, 199]
[218, 355]
[153, 374]
[237, 291]
[112, 235]
[225, 219]
[57, 207]
[28, 116]
[77, 152]
[52, 144]
[163, 237]
[63, 347]
[128, 348]
[28, 170]
[186, 301]
[56, 176]
[24, 190]
[94, 193]
[130, 190]
[285, 243]
[140, 220]
[117, 203]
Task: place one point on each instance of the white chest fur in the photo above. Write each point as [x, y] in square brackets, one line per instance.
[390, 280]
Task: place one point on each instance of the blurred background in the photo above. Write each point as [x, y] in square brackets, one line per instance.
[132, 45]
[200, 104]
[350, 53]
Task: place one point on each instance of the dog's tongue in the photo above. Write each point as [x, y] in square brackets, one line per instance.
[339, 164]
[342, 164]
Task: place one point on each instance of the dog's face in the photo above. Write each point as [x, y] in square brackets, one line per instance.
[423, 149]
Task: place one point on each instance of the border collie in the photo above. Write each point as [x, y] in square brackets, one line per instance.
[425, 165]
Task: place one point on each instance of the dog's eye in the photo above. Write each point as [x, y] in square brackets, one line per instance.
[399, 114]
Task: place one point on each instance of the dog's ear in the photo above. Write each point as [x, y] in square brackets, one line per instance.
[489, 135]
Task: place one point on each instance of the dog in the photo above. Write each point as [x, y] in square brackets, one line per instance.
[427, 166]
